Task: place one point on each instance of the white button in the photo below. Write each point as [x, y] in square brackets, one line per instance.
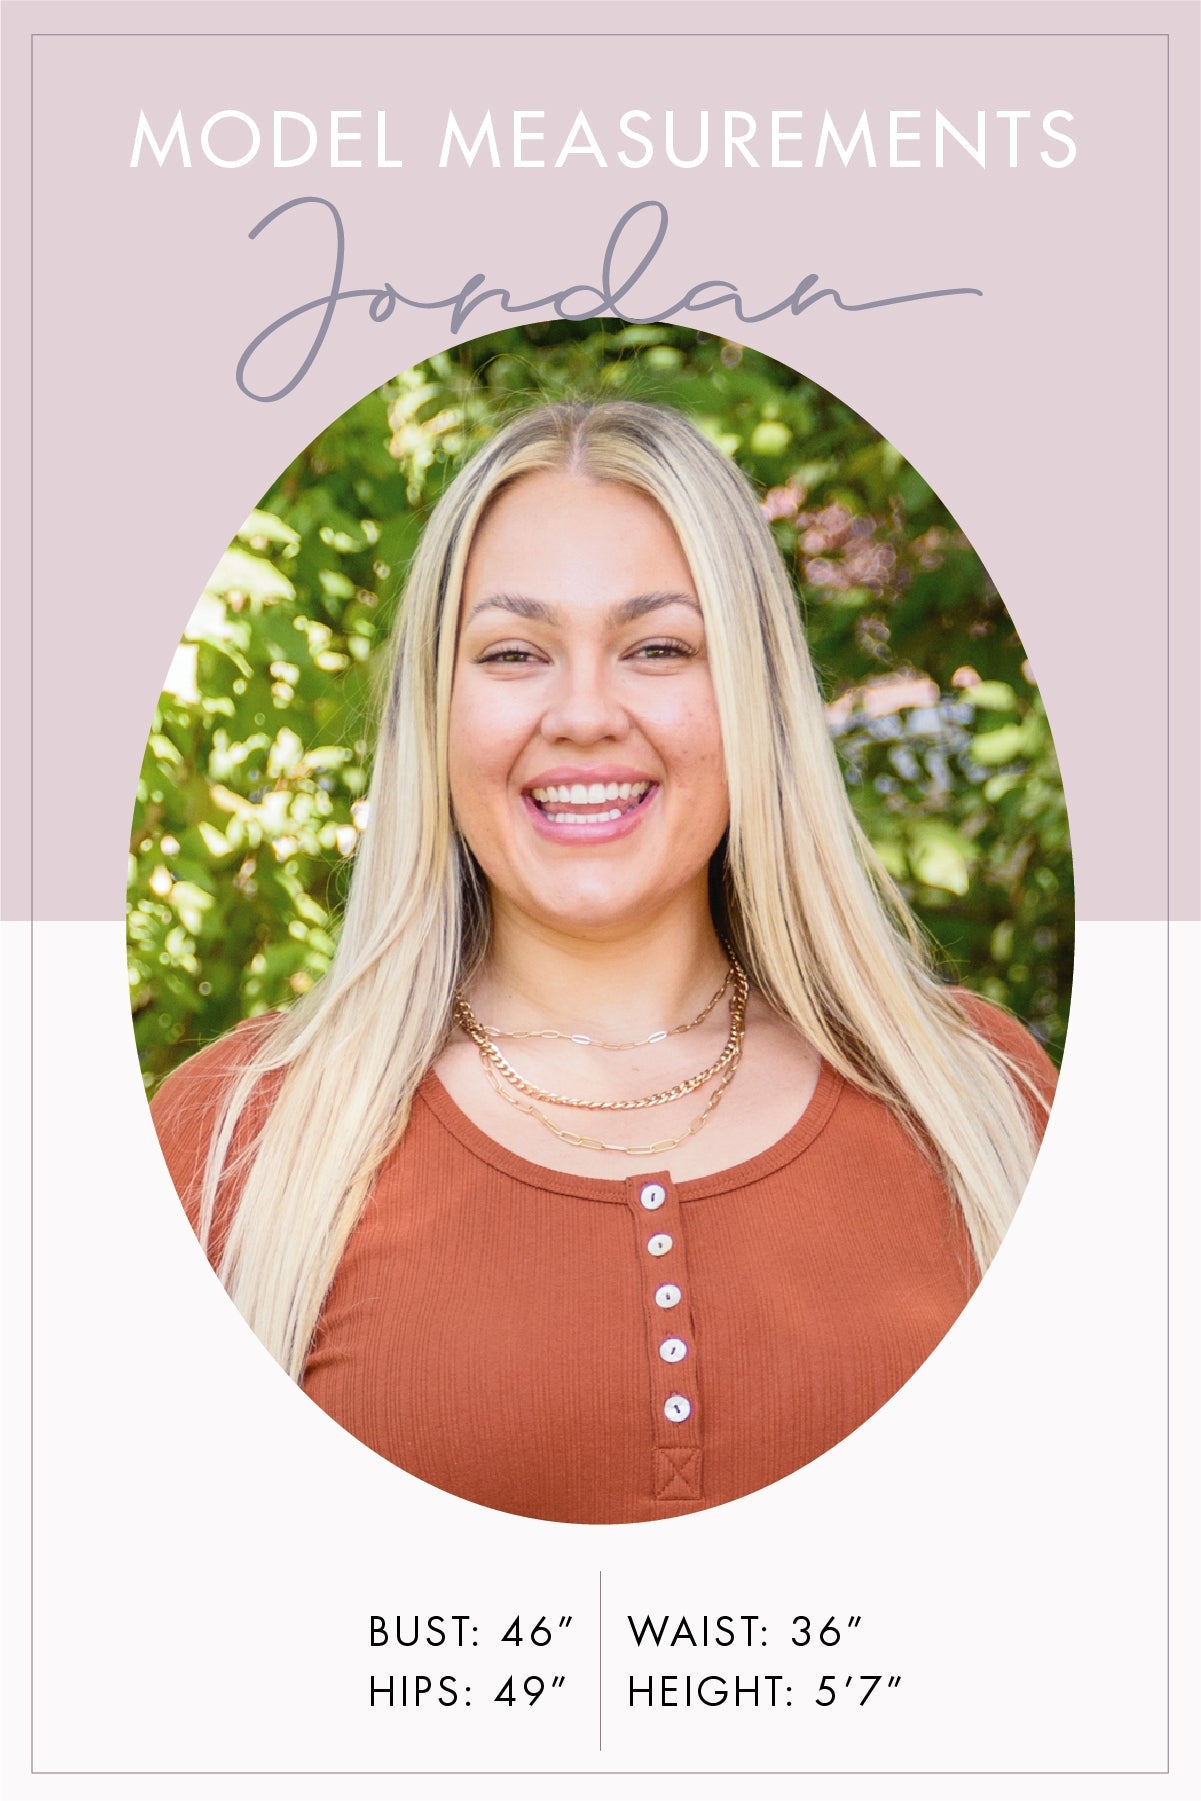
[659, 1245]
[677, 1408]
[672, 1350]
[653, 1196]
[668, 1295]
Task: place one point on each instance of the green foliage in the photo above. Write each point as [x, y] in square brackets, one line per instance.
[252, 791]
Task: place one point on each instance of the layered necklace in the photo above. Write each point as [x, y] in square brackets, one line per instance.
[514, 1088]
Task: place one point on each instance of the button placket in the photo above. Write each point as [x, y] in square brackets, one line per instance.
[675, 1408]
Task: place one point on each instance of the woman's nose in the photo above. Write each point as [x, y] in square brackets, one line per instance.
[584, 707]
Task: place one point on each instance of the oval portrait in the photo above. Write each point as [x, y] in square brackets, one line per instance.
[600, 921]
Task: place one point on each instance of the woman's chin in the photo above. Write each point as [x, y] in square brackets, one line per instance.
[586, 911]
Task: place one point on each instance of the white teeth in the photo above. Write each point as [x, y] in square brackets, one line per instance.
[584, 818]
[588, 794]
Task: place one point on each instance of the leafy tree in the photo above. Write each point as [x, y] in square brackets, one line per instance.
[252, 794]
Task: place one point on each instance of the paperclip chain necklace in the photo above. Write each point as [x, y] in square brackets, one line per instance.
[634, 1044]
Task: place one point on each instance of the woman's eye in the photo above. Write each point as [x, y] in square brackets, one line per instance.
[662, 649]
[509, 653]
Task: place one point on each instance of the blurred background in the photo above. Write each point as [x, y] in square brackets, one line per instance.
[252, 795]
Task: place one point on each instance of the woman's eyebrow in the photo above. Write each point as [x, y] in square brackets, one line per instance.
[640, 604]
[624, 613]
[522, 604]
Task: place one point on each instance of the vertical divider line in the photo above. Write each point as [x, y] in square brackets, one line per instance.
[1169, 810]
[33, 1165]
[600, 1660]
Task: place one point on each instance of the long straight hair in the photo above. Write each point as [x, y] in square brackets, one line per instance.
[818, 924]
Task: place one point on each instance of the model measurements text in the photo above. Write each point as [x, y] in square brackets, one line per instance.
[435, 1629]
[670, 1660]
[410, 1690]
[459, 1631]
[745, 1632]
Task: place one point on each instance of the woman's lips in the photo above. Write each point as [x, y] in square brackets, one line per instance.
[588, 812]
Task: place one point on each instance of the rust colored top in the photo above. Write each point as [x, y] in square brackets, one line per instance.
[591, 1350]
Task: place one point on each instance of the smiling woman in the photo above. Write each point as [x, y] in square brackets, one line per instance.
[583, 708]
[607, 816]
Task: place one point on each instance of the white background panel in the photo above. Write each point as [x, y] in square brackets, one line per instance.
[209, 1547]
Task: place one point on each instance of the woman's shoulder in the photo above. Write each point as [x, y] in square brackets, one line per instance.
[203, 1077]
[187, 1107]
[1006, 1033]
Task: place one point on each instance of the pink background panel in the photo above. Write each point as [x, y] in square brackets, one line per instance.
[1039, 413]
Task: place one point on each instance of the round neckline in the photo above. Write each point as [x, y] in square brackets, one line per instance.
[799, 1136]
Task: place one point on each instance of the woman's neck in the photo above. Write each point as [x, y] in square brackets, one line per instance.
[646, 979]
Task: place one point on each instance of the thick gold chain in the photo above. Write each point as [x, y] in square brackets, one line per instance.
[495, 1064]
[634, 1044]
[582, 1143]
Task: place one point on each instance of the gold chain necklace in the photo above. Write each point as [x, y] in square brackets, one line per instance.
[599, 1144]
[495, 1064]
[635, 1044]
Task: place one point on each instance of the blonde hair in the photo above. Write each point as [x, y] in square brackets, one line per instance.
[819, 925]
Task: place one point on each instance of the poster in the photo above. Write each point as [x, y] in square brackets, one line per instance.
[211, 203]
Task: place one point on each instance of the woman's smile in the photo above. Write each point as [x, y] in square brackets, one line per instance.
[588, 805]
[586, 765]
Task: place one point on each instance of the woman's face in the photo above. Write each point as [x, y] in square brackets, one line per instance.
[586, 765]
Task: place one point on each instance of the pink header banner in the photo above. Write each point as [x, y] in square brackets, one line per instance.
[958, 220]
